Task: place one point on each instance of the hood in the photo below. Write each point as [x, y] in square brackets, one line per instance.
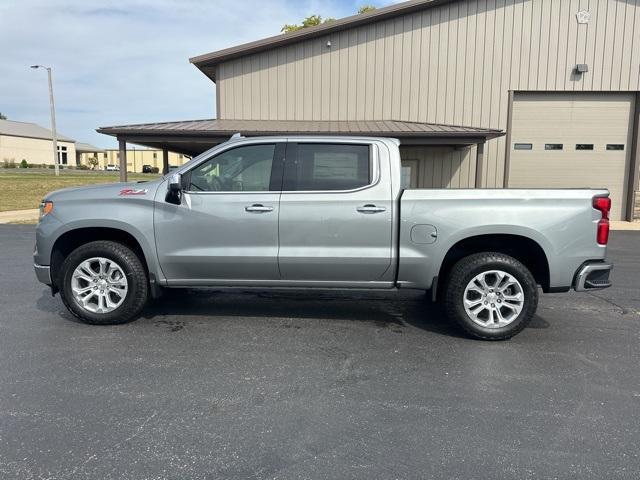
[105, 191]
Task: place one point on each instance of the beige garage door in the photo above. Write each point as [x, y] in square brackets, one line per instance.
[572, 140]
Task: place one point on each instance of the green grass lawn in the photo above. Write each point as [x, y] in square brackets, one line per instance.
[22, 189]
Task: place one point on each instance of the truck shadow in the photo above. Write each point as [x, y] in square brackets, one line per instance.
[394, 311]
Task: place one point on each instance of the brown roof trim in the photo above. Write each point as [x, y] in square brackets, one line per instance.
[208, 60]
[376, 128]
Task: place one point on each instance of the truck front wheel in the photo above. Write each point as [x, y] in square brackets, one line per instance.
[492, 296]
[103, 283]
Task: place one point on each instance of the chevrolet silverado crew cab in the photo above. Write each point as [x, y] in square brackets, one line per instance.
[319, 212]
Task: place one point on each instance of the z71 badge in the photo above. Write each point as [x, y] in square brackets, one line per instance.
[133, 191]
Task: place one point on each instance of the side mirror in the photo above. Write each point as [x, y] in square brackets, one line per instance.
[174, 189]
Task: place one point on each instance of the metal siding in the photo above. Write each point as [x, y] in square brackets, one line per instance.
[569, 119]
[453, 63]
[441, 167]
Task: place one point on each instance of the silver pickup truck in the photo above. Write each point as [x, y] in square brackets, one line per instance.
[319, 212]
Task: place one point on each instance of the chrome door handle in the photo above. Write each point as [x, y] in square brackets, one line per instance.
[258, 208]
[370, 209]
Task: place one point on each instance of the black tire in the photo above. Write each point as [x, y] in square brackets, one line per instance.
[137, 282]
[467, 269]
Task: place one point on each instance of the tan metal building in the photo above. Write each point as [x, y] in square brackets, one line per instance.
[136, 158]
[559, 77]
[33, 143]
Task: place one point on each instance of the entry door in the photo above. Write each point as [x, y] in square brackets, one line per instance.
[335, 214]
[226, 228]
[573, 140]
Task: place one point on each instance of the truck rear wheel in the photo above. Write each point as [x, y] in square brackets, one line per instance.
[492, 296]
[103, 283]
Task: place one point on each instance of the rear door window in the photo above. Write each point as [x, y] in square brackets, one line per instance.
[327, 167]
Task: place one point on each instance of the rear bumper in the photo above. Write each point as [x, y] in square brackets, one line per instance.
[593, 276]
[43, 273]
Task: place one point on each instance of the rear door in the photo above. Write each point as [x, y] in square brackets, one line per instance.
[335, 214]
[226, 228]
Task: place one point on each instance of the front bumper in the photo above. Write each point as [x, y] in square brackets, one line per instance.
[593, 276]
[43, 273]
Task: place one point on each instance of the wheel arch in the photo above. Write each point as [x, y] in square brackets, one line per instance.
[76, 237]
[524, 249]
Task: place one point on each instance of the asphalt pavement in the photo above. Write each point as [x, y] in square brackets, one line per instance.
[320, 385]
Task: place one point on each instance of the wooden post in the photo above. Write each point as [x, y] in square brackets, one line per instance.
[123, 160]
[165, 161]
[479, 164]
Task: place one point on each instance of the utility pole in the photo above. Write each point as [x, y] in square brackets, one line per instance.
[54, 134]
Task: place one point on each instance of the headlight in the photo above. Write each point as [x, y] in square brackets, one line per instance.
[45, 208]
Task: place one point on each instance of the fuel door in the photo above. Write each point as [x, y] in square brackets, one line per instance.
[424, 234]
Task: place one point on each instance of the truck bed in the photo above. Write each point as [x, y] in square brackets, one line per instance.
[561, 221]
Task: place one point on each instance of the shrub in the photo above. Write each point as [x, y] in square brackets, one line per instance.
[82, 167]
[24, 164]
[10, 164]
[155, 170]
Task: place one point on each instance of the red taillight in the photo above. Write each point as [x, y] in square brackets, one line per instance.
[603, 232]
[603, 204]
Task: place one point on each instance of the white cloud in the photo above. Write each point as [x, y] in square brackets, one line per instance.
[126, 61]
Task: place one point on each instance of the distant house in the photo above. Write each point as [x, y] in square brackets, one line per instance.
[136, 157]
[33, 143]
[85, 151]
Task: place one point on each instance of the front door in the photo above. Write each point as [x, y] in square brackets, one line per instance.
[335, 214]
[226, 228]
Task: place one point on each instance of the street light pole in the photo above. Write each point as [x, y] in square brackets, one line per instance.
[54, 134]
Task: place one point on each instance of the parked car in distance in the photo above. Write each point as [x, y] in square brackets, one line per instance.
[112, 168]
[173, 167]
[150, 169]
[320, 212]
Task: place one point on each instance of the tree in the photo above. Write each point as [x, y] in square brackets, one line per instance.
[2, 116]
[313, 20]
[310, 21]
[366, 9]
[92, 162]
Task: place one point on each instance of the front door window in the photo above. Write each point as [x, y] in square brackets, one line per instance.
[243, 169]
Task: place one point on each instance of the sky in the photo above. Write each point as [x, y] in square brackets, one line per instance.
[119, 62]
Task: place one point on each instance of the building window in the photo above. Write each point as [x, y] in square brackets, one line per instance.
[155, 155]
[62, 155]
[104, 155]
[522, 146]
[553, 146]
[615, 146]
[584, 146]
